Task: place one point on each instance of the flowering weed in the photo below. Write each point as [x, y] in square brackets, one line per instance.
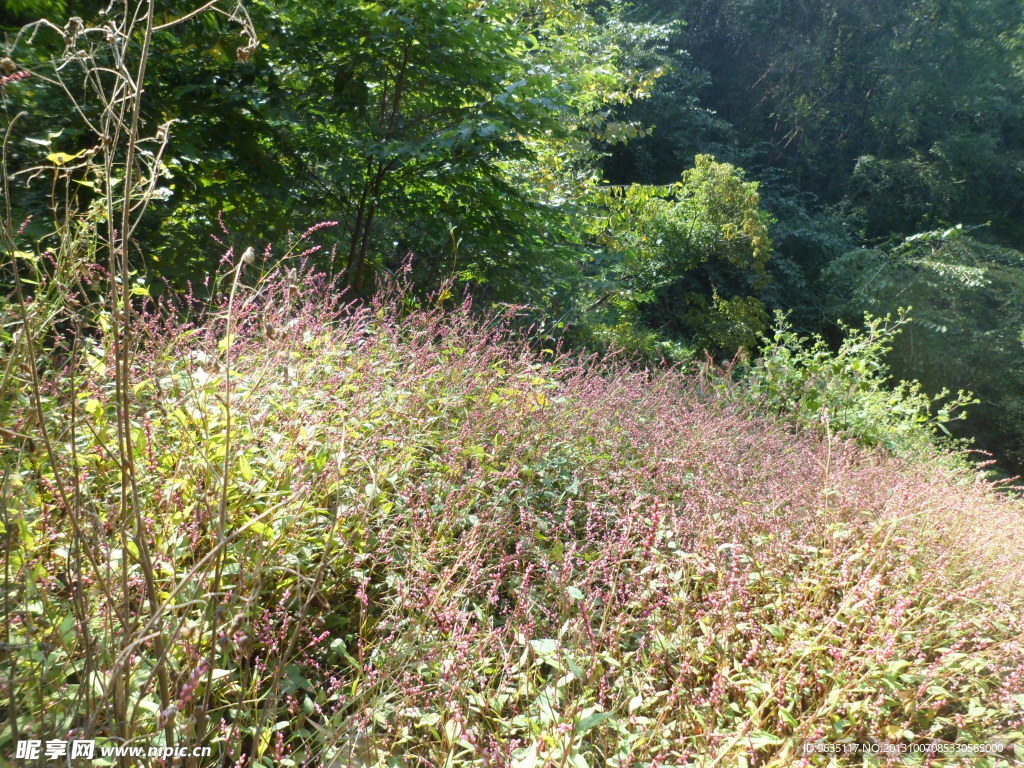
[375, 536]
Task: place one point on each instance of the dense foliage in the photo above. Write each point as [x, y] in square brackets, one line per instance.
[482, 139]
[869, 125]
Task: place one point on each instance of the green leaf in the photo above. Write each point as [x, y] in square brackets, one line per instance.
[759, 739]
[592, 720]
[244, 468]
[545, 646]
[295, 680]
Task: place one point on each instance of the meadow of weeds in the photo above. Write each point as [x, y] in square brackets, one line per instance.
[375, 535]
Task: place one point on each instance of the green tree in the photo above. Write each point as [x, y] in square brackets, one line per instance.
[927, 87]
[460, 132]
[687, 259]
[457, 131]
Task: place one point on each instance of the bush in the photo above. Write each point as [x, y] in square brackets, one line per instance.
[680, 263]
[850, 389]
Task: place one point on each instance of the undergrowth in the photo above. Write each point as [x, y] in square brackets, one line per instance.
[375, 536]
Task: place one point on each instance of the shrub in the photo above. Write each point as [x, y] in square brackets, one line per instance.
[850, 389]
[967, 322]
[680, 263]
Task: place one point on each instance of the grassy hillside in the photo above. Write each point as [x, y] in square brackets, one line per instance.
[368, 535]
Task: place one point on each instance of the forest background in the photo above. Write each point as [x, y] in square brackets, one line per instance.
[656, 176]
